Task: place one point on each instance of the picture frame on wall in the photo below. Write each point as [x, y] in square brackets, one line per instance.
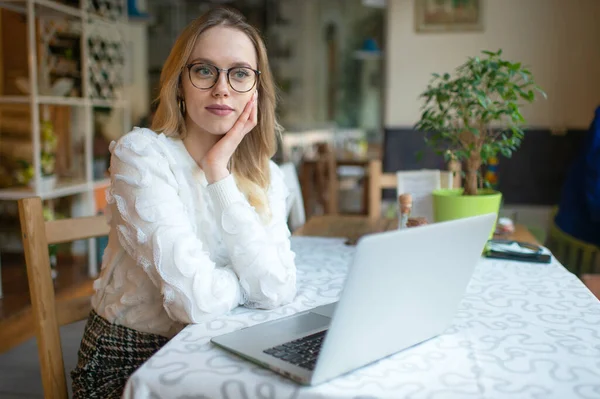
[448, 15]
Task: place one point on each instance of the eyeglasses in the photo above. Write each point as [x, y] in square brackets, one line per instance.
[205, 76]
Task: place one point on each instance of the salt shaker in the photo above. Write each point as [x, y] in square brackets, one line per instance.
[405, 203]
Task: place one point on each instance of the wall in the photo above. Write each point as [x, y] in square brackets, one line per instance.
[305, 105]
[558, 39]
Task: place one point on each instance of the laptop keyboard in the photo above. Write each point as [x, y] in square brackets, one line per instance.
[302, 352]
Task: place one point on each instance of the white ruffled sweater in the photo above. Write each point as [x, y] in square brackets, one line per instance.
[181, 251]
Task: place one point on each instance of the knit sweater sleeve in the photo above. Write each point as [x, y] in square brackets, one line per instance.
[260, 253]
[153, 226]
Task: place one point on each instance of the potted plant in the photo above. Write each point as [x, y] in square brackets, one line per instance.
[470, 118]
[48, 142]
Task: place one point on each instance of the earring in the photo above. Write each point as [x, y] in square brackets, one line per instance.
[181, 105]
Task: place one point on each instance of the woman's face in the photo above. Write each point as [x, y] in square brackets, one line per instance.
[214, 110]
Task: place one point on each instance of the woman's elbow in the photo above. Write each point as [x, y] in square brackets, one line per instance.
[276, 294]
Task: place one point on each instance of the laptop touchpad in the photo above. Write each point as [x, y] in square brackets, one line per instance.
[325, 310]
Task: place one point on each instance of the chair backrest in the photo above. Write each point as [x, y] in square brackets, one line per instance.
[420, 185]
[447, 179]
[326, 179]
[297, 145]
[577, 256]
[377, 182]
[294, 202]
[37, 234]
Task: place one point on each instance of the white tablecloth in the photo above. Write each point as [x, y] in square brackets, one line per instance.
[522, 331]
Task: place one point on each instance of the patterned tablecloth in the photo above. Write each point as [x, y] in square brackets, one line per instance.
[522, 331]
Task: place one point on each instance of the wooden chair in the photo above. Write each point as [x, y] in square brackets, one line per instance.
[319, 182]
[576, 255]
[49, 315]
[294, 203]
[447, 179]
[327, 179]
[416, 182]
[377, 182]
[420, 184]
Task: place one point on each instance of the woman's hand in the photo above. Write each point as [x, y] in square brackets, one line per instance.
[214, 164]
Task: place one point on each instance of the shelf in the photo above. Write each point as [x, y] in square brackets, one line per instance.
[107, 103]
[367, 55]
[96, 18]
[14, 100]
[72, 101]
[52, 100]
[97, 61]
[104, 183]
[45, 8]
[50, 8]
[64, 187]
[55, 6]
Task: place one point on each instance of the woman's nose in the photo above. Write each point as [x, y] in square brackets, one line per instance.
[221, 88]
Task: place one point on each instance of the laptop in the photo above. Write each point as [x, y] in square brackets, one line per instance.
[403, 288]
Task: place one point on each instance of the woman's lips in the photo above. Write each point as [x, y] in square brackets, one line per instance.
[219, 110]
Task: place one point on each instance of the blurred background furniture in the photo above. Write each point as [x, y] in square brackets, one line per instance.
[62, 99]
[579, 257]
[294, 202]
[419, 183]
[377, 182]
[324, 179]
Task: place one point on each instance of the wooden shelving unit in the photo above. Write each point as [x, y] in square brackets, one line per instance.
[42, 42]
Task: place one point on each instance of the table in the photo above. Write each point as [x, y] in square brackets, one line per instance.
[522, 331]
[353, 227]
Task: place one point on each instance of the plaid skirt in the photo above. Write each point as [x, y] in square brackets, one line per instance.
[108, 355]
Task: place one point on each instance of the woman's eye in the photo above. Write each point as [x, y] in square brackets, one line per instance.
[240, 74]
[203, 71]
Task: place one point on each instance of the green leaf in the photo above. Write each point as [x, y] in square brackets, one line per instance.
[530, 96]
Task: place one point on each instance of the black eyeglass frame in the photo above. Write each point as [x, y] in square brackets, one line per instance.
[219, 70]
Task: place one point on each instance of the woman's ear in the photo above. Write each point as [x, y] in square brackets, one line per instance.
[180, 86]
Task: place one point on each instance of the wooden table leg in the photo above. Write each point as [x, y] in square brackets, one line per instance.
[306, 185]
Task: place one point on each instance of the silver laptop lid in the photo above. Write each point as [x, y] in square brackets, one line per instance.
[403, 288]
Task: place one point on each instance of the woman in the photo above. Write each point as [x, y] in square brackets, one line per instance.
[198, 222]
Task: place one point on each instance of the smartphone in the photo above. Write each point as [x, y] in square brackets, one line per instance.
[537, 258]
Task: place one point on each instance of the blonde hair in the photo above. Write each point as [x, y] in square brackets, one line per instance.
[250, 162]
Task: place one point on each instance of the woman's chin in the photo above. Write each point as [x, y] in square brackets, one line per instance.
[219, 129]
[213, 125]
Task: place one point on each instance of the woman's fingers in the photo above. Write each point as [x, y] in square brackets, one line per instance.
[254, 115]
[239, 127]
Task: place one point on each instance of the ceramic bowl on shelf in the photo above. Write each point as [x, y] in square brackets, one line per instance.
[47, 183]
[62, 87]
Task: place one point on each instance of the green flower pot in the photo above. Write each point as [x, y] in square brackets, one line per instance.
[450, 204]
